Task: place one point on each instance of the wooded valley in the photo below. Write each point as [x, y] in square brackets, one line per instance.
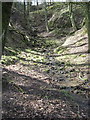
[45, 60]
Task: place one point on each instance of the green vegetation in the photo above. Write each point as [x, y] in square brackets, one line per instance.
[45, 60]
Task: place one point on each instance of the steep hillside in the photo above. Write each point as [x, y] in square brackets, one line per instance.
[58, 22]
[58, 18]
[45, 74]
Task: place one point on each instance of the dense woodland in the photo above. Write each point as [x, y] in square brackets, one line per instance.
[45, 60]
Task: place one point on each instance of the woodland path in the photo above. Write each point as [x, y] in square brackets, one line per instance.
[35, 90]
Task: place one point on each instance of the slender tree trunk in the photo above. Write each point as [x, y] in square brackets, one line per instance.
[50, 2]
[1, 30]
[72, 16]
[6, 11]
[88, 23]
[15, 4]
[28, 7]
[46, 19]
[24, 9]
[37, 3]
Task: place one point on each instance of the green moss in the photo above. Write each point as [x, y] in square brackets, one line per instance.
[60, 50]
[39, 59]
[83, 55]
[11, 51]
[67, 94]
[47, 70]
[35, 64]
[9, 60]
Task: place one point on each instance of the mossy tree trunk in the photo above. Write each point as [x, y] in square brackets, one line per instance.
[46, 19]
[70, 6]
[6, 11]
[88, 23]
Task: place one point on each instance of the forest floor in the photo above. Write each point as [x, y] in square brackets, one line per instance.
[39, 86]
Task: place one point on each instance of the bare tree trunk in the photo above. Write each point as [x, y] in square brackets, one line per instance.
[72, 16]
[6, 11]
[37, 3]
[1, 30]
[28, 8]
[50, 2]
[24, 9]
[88, 23]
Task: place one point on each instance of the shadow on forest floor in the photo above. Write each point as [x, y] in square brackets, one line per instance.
[34, 85]
[39, 99]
